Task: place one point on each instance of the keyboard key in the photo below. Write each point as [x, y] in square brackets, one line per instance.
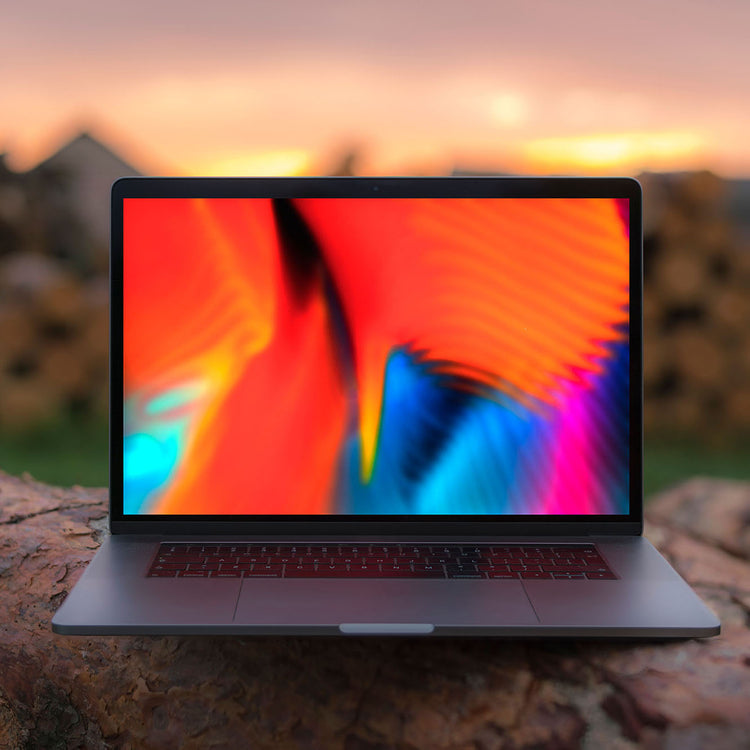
[352, 551]
[162, 573]
[194, 573]
[501, 574]
[181, 558]
[601, 575]
[535, 574]
[421, 550]
[454, 575]
[428, 568]
[461, 568]
[364, 568]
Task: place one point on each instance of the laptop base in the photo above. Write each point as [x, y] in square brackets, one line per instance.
[648, 600]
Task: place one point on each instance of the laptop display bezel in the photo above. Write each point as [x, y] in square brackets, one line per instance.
[377, 187]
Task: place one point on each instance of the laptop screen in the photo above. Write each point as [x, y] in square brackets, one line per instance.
[376, 356]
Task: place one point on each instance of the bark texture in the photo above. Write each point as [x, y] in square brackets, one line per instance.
[367, 694]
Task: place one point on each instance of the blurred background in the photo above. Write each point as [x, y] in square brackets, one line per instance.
[90, 91]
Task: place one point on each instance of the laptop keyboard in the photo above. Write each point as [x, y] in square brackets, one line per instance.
[554, 561]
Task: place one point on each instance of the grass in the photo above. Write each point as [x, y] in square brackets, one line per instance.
[74, 451]
[70, 450]
[671, 459]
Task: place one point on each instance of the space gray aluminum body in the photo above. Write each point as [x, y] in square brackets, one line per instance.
[649, 599]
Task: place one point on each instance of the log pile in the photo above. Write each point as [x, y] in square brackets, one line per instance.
[696, 309]
[53, 341]
[360, 694]
[53, 303]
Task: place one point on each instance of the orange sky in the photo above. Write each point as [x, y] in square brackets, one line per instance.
[287, 87]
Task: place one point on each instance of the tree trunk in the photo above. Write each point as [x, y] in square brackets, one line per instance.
[362, 694]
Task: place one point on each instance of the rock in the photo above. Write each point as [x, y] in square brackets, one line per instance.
[367, 694]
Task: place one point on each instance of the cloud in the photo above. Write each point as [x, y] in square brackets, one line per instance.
[626, 151]
[192, 78]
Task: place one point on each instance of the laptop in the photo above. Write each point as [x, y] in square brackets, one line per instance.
[378, 406]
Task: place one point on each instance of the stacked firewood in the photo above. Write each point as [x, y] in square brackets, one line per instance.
[53, 341]
[54, 303]
[696, 309]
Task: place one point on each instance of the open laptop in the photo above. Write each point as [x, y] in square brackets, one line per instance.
[406, 406]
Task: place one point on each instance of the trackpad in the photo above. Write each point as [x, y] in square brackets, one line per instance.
[282, 601]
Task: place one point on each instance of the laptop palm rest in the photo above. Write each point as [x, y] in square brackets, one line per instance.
[375, 606]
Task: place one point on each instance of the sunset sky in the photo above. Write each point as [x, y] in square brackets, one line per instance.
[195, 87]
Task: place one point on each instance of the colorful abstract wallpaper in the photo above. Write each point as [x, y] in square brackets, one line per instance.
[376, 356]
